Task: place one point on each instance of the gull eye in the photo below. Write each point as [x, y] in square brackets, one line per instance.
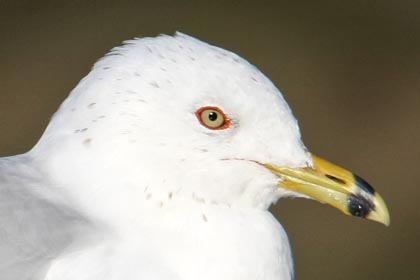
[212, 118]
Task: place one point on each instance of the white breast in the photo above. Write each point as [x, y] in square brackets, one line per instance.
[189, 243]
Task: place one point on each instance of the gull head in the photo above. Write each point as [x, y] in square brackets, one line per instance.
[173, 119]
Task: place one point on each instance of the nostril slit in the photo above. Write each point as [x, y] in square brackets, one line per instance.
[337, 180]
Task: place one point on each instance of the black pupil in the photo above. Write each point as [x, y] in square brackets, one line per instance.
[212, 116]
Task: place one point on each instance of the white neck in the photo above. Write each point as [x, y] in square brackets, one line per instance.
[190, 242]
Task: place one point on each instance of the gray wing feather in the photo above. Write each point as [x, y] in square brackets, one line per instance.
[33, 229]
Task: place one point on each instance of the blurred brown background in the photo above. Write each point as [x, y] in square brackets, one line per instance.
[349, 69]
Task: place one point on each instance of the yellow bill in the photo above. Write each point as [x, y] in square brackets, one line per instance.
[336, 186]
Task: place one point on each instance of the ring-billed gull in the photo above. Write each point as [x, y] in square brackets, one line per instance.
[162, 164]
